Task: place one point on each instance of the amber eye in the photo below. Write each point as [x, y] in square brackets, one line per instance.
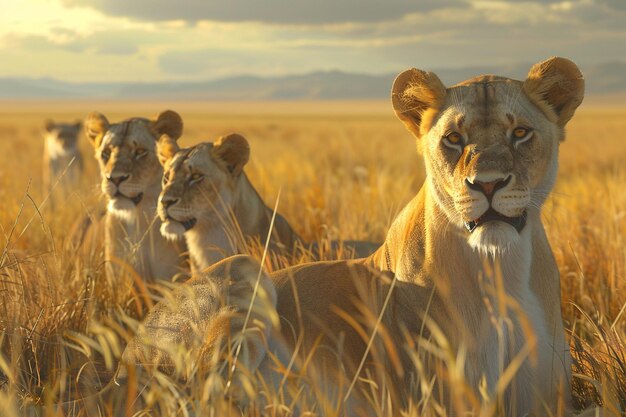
[520, 132]
[105, 154]
[195, 177]
[453, 140]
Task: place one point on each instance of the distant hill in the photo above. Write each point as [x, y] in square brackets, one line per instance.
[602, 78]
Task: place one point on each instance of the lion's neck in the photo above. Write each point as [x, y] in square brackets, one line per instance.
[255, 218]
[208, 245]
[143, 216]
[225, 234]
[250, 211]
[135, 238]
[465, 291]
[248, 219]
[436, 253]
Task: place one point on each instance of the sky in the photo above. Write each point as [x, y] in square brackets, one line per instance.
[158, 40]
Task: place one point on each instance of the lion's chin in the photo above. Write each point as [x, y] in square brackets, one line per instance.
[494, 237]
[122, 208]
[172, 230]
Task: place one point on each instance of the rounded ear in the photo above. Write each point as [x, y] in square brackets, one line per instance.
[417, 96]
[168, 123]
[166, 149]
[234, 150]
[50, 125]
[557, 87]
[96, 125]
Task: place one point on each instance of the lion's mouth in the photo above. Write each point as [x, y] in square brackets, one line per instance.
[136, 199]
[491, 215]
[187, 224]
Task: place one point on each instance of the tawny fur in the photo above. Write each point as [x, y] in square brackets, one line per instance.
[207, 184]
[126, 154]
[481, 298]
[177, 339]
[452, 286]
[62, 160]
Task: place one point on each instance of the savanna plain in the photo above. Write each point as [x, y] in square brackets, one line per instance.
[337, 170]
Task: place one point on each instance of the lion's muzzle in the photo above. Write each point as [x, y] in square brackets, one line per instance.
[488, 185]
[165, 205]
[491, 215]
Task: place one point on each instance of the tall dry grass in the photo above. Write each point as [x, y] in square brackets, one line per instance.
[344, 172]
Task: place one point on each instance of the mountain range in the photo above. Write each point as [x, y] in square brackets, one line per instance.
[602, 78]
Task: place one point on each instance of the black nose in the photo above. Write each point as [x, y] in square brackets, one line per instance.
[168, 202]
[489, 188]
[118, 180]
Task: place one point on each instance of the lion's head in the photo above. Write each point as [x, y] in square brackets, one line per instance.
[126, 153]
[199, 183]
[64, 136]
[490, 144]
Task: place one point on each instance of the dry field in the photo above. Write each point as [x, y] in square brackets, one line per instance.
[344, 170]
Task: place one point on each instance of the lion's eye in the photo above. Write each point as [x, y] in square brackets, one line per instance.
[453, 140]
[521, 134]
[105, 154]
[140, 153]
[195, 178]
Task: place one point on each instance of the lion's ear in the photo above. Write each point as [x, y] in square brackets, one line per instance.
[557, 87]
[96, 125]
[168, 123]
[234, 150]
[50, 125]
[417, 96]
[166, 149]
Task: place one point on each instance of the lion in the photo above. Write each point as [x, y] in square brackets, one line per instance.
[62, 160]
[209, 201]
[131, 181]
[459, 309]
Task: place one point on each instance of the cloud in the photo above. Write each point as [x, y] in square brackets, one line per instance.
[269, 11]
[119, 42]
[615, 4]
[464, 33]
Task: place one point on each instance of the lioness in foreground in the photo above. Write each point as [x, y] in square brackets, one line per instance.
[208, 200]
[131, 181]
[458, 313]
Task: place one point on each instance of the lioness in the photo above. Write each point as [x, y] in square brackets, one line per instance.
[208, 199]
[131, 181]
[461, 304]
[61, 154]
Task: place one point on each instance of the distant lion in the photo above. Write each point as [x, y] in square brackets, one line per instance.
[62, 160]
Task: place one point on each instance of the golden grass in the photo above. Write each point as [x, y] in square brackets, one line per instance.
[344, 171]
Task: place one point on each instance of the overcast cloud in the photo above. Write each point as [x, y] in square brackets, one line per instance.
[270, 11]
[149, 40]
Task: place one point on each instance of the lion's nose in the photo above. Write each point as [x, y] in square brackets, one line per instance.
[118, 179]
[168, 202]
[488, 188]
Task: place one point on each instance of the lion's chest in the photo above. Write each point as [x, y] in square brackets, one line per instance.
[142, 248]
[510, 350]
